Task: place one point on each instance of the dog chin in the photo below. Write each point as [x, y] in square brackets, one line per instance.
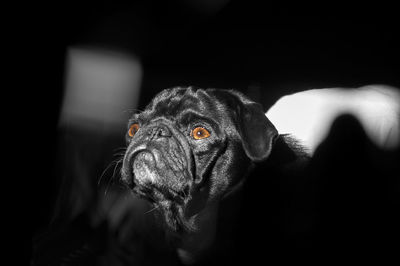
[175, 218]
[170, 204]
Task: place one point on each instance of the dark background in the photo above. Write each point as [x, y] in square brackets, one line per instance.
[264, 50]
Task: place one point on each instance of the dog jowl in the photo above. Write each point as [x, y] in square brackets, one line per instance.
[190, 147]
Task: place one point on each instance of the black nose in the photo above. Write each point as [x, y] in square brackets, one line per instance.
[159, 131]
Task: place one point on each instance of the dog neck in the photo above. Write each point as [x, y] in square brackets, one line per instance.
[287, 155]
[195, 244]
[211, 226]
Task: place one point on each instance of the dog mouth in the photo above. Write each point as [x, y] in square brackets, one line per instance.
[161, 174]
[144, 168]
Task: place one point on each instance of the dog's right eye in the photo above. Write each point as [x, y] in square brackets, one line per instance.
[200, 133]
[133, 129]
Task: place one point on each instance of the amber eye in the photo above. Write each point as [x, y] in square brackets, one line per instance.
[200, 133]
[133, 129]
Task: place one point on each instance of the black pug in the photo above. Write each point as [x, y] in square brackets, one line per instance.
[190, 150]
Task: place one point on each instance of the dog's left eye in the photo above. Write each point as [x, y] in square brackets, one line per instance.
[133, 129]
[200, 133]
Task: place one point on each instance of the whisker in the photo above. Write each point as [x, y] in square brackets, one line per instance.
[105, 170]
[119, 149]
[151, 210]
[113, 176]
[119, 155]
[115, 168]
[132, 110]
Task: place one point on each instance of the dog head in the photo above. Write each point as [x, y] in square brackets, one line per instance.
[190, 147]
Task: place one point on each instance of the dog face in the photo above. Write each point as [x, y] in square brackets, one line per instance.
[190, 147]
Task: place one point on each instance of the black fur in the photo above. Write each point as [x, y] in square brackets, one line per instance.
[340, 205]
[185, 175]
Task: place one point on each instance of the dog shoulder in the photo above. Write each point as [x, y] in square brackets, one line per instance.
[288, 155]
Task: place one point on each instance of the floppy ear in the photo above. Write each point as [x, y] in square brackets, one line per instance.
[257, 132]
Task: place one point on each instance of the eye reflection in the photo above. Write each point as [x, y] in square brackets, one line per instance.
[200, 133]
[133, 129]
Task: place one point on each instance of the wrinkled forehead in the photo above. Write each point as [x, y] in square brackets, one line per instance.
[175, 103]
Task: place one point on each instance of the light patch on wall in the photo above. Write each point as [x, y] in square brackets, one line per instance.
[101, 88]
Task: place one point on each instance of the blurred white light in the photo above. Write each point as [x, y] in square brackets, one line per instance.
[101, 86]
[308, 115]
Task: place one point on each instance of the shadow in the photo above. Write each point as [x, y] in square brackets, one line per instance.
[358, 195]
